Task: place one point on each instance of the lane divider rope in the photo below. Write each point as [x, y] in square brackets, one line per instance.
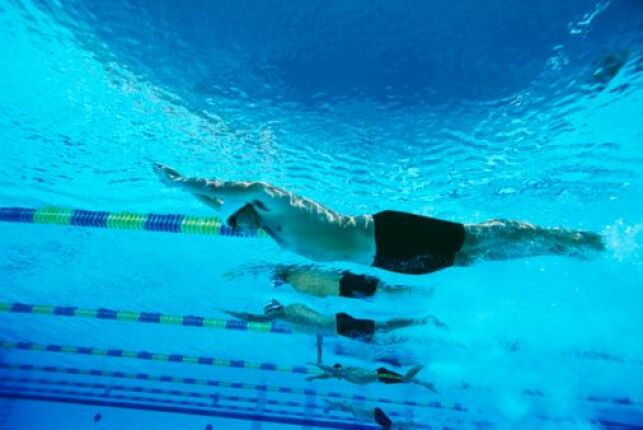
[181, 406]
[227, 384]
[145, 317]
[213, 397]
[171, 223]
[145, 355]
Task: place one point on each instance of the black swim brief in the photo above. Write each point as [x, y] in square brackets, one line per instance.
[409, 243]
[388, 376]
[354, 328]
[351, 285]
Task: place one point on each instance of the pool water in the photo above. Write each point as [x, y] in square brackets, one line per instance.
[459, 110]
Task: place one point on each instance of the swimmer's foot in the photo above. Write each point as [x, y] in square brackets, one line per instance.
[579, 244]
[167, 174]
[427, 385]
[435, 322]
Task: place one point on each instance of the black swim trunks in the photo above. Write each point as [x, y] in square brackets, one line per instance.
[388, 376]
[351, 285]
[409, 243]
[354, 328]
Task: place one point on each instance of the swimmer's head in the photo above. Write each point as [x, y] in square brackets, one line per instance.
[273, 308]
[280, 276]
[245, 220]
[337, 366]
[382, 419]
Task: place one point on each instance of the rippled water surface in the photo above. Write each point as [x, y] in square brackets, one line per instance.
[461, 110]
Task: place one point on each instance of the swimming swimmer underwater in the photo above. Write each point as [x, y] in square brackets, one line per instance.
[357, 375]
[391, 240]
[319, 282]
[376, 414]
[304, 319]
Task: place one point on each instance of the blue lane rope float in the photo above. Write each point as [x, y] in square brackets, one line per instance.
[189, 407]
[145, 317]
[171, 223]
[146, 355]
[227, 384]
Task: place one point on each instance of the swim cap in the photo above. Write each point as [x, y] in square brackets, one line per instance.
[382, 419]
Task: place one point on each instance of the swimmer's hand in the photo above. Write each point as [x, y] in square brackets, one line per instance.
[166, 173]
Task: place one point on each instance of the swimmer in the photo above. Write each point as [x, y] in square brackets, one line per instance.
[323, 283]
[391, 240]
[357, 375]
[376, 414]
[306, 320]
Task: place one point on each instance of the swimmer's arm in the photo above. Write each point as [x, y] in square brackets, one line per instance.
[245, 316]
[210, 188]
[261, 194]
[322, 376]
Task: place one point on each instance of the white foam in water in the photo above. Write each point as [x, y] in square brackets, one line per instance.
[624, 241]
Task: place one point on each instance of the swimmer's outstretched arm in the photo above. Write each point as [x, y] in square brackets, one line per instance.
[322, 376]
[211, 190]
[261, 194]
[328, 373]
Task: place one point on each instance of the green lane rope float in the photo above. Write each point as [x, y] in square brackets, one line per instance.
[214, 383]
[145, 317]
[122, 221]
[146, 355]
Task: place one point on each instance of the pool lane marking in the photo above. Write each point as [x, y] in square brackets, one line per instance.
[170, 223]
[145, 317]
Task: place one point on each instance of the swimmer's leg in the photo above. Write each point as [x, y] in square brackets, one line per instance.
[501, 239]
[410, 378]
[427, 385]
[398, 323]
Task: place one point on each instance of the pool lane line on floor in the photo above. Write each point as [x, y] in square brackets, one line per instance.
[145, 317]
[186, 407]
[170, 223]
[455, 407]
